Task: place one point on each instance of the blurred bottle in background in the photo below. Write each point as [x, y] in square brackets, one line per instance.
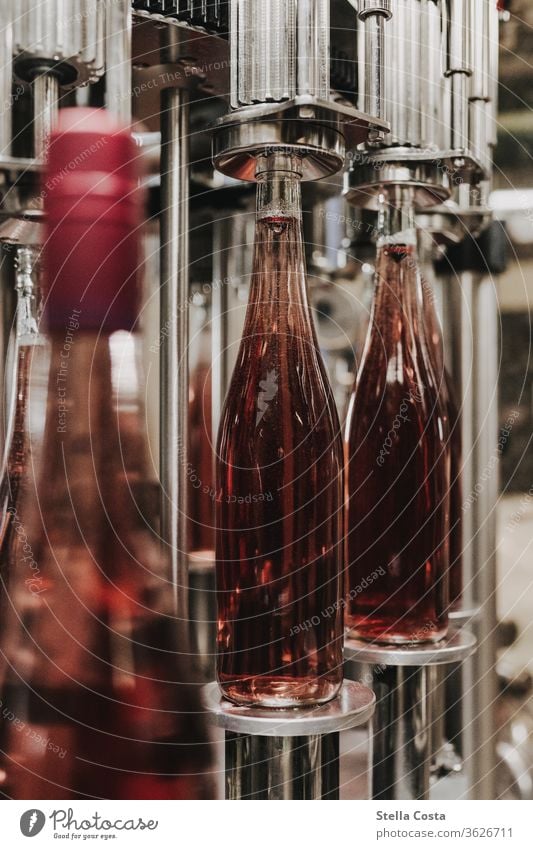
[97, 685]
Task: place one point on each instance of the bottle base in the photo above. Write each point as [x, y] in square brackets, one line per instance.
[388, 634]
[278, 692]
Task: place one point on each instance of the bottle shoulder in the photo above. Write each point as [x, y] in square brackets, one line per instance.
[290, 405]
[386, 403]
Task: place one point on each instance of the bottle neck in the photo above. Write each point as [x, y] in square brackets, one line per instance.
[398, 297]
[396, 218]
[279, 194]
[278, 286]
[27, 263]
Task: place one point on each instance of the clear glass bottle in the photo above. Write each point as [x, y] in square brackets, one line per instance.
[20, 455]
[279, 479]
[96, 690]
[397, 462]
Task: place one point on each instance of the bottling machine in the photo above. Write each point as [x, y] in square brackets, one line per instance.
[370, 94]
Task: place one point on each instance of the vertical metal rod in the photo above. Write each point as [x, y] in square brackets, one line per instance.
[458, 330]
[459, 353]
[174, 373]
[372, 15]
[45, 100]
[118, 58]
[374, 60]
[471, 322]
[458, 40]
[486, 358]
[304, 57]
[313, 47]
[6, 79]
[437, 713]
[460, 113]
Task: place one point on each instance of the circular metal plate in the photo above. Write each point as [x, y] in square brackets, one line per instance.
[457, 646]
[363, 182]
[353, 706]
[237, 146]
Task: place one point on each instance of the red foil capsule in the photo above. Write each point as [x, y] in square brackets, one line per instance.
[91, 199]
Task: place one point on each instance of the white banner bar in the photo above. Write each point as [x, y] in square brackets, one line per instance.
[173, 825]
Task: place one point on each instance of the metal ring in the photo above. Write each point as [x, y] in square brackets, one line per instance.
[374, 7]
[455, 647]
[236, 147]
[353, 707]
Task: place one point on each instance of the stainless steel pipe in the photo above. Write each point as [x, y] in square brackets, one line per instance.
[372, 17]
[402, 75]
[485, 377]
[458, 41]
[118, 58]
[174, 315]
[401, 770]
[45, 99]
[6, 78]
[457, 325]
[484, 31]
[433, 104]
[471, 344]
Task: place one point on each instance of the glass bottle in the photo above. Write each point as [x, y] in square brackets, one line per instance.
[397, 464]
[279, 479]
[449, 405]
[97, 694]
[20, 441]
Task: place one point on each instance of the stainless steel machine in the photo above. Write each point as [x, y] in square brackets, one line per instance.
[370, 94]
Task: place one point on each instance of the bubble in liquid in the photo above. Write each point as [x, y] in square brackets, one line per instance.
[278, 225]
